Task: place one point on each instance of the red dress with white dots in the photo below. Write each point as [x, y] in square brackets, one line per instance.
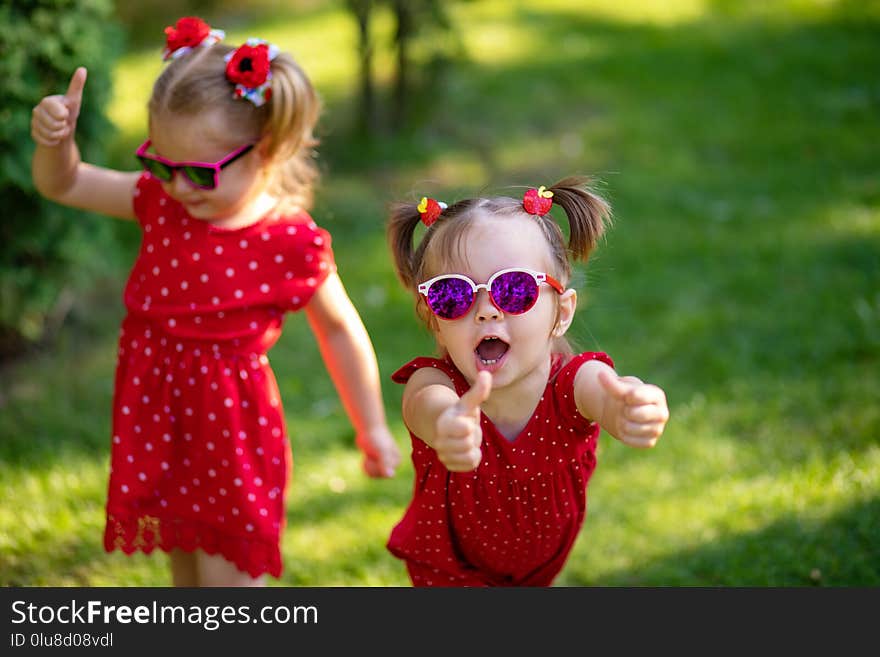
[200, 456]
[514, 519]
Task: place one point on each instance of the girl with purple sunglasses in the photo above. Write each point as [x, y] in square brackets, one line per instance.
[505, 423]
[200, 457]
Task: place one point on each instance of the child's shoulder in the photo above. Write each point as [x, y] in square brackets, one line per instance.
[442, 366]
[405, 372]
[278, 235]
[564, 367]
[147, 192]
[294, 227]
[561, 386]
[566, 361]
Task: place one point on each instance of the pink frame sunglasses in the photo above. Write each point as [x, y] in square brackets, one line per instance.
[513, 291]
[202, 175]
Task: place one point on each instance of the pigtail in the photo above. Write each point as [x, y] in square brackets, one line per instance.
[588, 214]
[401, 228]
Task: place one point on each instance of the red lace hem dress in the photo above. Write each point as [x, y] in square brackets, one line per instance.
[514, 519]
[200, 456]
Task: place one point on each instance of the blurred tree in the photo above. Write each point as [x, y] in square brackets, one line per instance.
[425, 20]
[144, 22]
[45, 248]
[361, 10]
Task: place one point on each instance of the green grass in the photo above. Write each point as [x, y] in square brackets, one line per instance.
[737, 142]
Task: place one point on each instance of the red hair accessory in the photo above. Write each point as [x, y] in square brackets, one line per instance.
[430, 209]
[248, 68]
[189, 32]
[538, 201]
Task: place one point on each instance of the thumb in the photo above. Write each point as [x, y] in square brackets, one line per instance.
[479, 392]
[73, 95]
[614, 385]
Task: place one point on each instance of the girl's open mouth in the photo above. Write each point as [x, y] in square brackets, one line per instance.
[490, 353]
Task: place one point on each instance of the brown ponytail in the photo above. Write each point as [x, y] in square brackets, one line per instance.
[588, 214]
[400, 231]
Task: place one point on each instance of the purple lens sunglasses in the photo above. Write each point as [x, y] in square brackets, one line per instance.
[513, 291]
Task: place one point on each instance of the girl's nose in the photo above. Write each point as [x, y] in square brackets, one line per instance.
[178, 186]
[486, 310]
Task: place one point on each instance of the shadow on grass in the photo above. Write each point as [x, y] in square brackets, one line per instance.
[701, 94]
[841, 551]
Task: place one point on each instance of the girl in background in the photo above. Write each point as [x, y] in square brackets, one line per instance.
[200, 454]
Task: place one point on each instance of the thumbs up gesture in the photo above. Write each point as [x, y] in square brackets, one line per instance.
[54, 118]
[634, 412]
[458, 437]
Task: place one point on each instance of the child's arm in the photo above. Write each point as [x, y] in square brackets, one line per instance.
[351, 362]
[444, 421]
[632, 411]
[58, 172]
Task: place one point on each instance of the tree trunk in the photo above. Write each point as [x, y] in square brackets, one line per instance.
[405, 25]
[366, 104]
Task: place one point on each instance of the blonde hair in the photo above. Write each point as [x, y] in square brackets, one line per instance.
[588, 215]
[285, 123]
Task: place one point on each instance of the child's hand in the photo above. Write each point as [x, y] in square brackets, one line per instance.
[381, 456]
[459, 435]
[54, 118]
[634, 412]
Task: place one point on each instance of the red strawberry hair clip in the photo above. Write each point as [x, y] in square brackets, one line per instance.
[538, 201]
[429, 209]
[189, 32]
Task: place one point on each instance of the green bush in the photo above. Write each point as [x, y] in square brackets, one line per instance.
[47, 250]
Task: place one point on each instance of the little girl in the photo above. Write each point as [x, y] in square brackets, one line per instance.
[200, 453]
[504, 426]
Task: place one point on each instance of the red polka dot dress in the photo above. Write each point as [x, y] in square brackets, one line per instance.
[514, 519]
[200, 456]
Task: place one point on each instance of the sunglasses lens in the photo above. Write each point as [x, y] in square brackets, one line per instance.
[450, 298]
[515, 292]
[155, 168]
[200, 176]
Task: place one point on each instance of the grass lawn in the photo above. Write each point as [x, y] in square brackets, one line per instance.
[738, 145]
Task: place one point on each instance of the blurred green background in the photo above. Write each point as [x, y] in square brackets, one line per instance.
[738, 144]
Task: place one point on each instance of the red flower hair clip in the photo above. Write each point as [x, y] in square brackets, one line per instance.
[538, 201]
[248, 68]
[189, 32]
[429, 209]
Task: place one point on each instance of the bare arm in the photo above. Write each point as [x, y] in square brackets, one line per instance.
[58, 171]
[632, 411]
[427, 394]
[351, 363]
